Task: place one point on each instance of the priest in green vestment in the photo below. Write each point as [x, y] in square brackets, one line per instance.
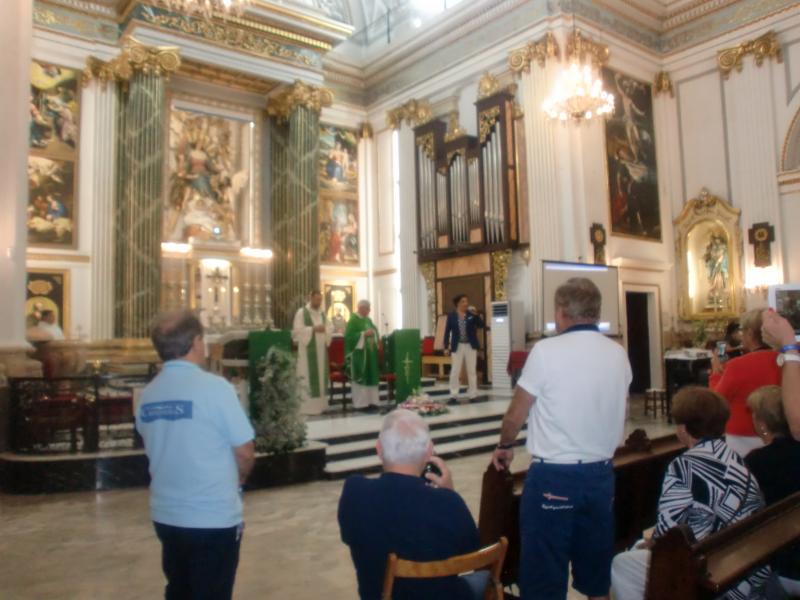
[312, 332]
[361, 343]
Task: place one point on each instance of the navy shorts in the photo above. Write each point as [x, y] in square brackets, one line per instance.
[567, 516]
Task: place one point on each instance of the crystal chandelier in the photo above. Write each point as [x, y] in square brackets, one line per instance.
[207, 8]
[578, 94]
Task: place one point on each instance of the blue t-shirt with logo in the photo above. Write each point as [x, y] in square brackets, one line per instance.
[191, 421]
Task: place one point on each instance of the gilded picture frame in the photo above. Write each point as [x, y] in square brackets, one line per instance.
[47, 289]
[708, 249]
[339, 302]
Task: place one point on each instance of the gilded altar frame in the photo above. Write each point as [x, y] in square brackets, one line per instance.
[708, 249]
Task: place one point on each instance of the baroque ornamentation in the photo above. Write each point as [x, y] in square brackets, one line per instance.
[426, 143]
[454, 130]
[135, 56]
[487, 86]
[586, 51]
[366, 131]
[501, 260]
[519, 60]
[763, 47]
[428, 271]
[486, 120]
[413, 112]
[663, 84]
[298, 94]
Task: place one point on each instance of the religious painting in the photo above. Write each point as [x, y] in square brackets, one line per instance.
[338, 197]
[631, 158]
[209, 179]
[47, 290]
[53, 106]
[339, 302]
[51, 202]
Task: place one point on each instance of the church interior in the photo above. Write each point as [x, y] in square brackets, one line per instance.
[238, 158]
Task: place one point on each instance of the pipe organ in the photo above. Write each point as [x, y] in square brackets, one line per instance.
[467, 187]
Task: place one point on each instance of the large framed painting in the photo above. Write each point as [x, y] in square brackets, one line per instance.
[339, 302]
[47, 290]
[54, 110]
[339, 231]
[631, 157]
[209, 176]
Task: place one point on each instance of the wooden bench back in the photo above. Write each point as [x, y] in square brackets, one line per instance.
[639, 466]
[681, 567]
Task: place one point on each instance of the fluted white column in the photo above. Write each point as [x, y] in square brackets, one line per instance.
[754, 164]
[413, 303]
[544, 192]
[102, 99]
[16, 31]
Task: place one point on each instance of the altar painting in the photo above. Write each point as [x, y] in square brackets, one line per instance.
[338, 199]
[631, 158]
[53, 108]
[46, 290]
[51, 202]
[209, 177]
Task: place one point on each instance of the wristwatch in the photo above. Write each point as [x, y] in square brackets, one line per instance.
[786, 358]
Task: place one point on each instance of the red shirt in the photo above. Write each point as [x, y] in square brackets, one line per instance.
[742, 376]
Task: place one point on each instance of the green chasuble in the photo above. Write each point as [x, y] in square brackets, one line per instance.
[316, 387]
[362, 365]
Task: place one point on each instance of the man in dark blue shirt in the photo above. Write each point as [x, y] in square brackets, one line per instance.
[417, 518]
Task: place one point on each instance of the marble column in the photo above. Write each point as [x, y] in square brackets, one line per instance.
[294, 136]
[16, 30]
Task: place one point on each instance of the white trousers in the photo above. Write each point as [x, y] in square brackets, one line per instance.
[464, 354]
[629, 574]
[364, 395]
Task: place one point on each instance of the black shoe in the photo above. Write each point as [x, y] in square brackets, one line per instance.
[452, 401]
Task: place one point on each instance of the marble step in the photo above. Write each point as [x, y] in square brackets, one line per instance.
[371, 464]
[482, 428]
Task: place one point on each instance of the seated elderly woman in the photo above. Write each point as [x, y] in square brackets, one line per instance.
[707, 488]
[776, 467]
[739, 377]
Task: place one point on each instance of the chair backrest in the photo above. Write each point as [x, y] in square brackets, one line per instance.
[490, 557]
[427, 345]
[336, 351]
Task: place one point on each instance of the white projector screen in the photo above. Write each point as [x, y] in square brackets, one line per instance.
[555, 273]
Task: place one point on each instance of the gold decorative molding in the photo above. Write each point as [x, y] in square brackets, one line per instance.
[428, 270]
[226, 77]
[452, 154]
[663, 84]
[763, 47]
[46, 256]
[366, 131]
[486, 120]
[426, 143]
[487, 86]
[454, 130]
[501, 260]
[413, 112]
[135, 57]
[519, 60]
[298, 94]
[585, 50]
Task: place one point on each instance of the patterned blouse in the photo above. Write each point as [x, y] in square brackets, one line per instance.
[707, 488]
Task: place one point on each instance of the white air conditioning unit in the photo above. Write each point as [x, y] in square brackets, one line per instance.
[508, 333]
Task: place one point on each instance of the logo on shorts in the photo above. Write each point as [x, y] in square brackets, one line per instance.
[169, 410]
[552, 497]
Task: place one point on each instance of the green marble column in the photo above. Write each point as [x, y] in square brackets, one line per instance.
[295, 222]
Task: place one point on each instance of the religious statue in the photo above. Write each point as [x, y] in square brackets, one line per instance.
[716, 263]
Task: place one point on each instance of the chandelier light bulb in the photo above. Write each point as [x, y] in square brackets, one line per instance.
[578, 94]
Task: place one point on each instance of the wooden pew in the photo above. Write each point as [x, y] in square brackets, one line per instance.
[683, 568]
[639, 466]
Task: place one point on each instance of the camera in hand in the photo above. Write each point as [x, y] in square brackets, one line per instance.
[431, 468]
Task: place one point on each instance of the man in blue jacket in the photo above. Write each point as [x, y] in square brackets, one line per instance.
[461, 343]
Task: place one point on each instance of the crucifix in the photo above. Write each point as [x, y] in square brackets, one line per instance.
[407, 362]
[761, 235]
[217, 278]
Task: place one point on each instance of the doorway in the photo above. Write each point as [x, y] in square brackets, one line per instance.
[638, 340]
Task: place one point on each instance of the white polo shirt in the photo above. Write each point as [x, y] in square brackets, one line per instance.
[580, 380]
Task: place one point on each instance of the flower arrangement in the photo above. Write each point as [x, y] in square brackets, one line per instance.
[276, 410]
[423, 405]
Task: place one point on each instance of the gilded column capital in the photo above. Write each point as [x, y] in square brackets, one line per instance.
[365, 131]
[663, 84]
[298, 94]
[135, 57]
[414, 112]
[763, 47]
[519, 60]
[585, 50]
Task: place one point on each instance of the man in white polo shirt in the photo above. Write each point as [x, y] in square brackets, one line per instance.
[573, 391]
[200, 447]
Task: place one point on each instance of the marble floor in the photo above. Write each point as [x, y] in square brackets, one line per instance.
[101, 545]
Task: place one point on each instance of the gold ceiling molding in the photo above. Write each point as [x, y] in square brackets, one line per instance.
[519, 60]
[135, 56]
[454, 129]
[298, 94]
[585, 50]
[413, 112]
[663, 84]
[226, 77]
[763, 47]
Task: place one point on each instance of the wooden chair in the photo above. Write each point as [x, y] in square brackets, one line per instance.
[490, 556]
